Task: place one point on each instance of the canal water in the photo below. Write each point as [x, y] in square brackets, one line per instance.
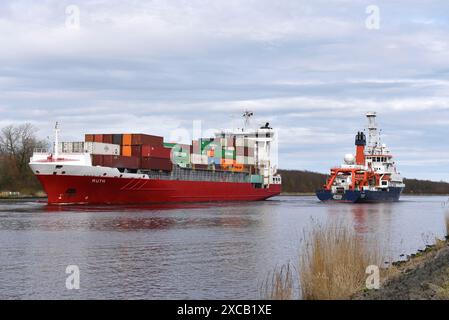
[202, 251]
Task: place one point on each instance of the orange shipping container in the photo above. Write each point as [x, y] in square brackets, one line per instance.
[127, 139]
[237, 167]
[227, 162]
[126, 151]
[89, 138]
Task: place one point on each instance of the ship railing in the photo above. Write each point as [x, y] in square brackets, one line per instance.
[200, 175]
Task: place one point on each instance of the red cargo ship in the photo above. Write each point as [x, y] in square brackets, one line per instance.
[139, 168]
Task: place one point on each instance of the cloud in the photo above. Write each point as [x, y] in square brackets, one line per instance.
[310, 68]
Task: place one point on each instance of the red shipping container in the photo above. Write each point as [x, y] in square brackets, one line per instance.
[136, 151]
[98, 138]
[156, 164]
[140, 139]
[107, 138]
[125, 162]
[97, 160]
[156, 151]
[107, 161]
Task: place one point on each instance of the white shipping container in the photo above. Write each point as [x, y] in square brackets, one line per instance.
[245, 142]
[251, 160]
[245, 160]
[101, 148]
[71, 147]
[198, 158]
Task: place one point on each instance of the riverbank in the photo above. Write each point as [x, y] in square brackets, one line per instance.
[21, 196]
[423, 276]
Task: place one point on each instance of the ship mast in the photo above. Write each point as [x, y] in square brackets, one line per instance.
[247, 115]
[373, 133]
[56, 143]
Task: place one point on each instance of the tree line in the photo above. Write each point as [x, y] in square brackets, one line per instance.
[296, 181]
[17, 143]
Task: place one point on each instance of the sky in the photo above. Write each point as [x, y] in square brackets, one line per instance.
[310, 68]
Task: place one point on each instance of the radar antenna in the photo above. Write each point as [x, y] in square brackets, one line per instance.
[247, 115]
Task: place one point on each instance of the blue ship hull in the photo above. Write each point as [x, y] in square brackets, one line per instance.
[390, 195]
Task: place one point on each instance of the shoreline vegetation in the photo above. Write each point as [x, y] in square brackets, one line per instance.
[332, 266]
[299, 182]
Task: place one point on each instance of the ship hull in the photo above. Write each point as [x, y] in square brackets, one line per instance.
[113, 190]
[356, 196]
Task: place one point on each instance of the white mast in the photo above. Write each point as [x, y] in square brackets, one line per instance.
[373, 134]
[56, 145]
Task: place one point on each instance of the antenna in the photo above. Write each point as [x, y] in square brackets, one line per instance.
[247, 115]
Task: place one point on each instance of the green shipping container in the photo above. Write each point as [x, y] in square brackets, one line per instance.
[228, 154]
[256, 178]
[205, 143]
[169, 145]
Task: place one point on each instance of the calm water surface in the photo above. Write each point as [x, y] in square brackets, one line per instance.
[185, 252]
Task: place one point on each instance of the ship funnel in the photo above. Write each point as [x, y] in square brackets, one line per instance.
[360, 142]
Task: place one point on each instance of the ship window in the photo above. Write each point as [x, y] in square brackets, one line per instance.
[58, 166]
[384, 183]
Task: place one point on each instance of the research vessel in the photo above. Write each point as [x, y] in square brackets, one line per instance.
[369, 176]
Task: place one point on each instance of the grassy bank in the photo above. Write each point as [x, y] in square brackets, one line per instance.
[332, 265]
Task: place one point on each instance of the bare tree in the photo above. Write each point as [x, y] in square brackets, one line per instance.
[16, 147]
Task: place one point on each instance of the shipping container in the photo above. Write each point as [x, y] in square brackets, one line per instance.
[245, 160]
[107, 138]
[150, 163]
[245, 142]
[117, 139]
[245, 151]
[228, 142]
[101, 148]
[126, 151]
[71, 147]
[225, 161]
[97, 160]
[140, 139]
[127, 139]
[228, 153]
[256, 178]
[201, 166]
[213, 160]
[136, 151]
[122, 162]
[169, 144]
[98, 138]
[198, 159]
[156, 151]
[89, 138]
